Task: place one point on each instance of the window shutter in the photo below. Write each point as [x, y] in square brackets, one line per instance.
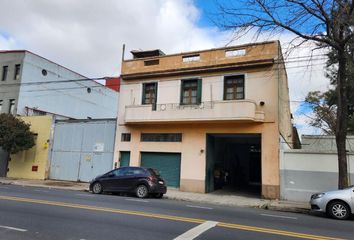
[181, 93]
[199, 91]
[155, 103]
[143, 95]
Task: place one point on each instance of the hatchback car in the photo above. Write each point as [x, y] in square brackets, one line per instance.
[338, 204]
[138, 180]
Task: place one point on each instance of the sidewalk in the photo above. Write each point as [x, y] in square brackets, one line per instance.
[217, 198]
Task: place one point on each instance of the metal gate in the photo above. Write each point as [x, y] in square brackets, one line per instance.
[168, 164]
[82, 149]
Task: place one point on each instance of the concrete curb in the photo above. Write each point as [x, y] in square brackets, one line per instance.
[215, 202]
[19, 183]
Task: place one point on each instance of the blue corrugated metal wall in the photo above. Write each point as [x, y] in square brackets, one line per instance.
[82, 149]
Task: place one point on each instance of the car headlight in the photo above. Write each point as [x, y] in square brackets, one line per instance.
[317, 195]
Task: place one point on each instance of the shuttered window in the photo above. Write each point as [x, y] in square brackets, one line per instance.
[191, 92]
[234, 87]
[150, 94]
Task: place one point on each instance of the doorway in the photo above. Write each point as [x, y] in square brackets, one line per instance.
[234, 163]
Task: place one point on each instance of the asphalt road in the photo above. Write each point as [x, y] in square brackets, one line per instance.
[28, 213]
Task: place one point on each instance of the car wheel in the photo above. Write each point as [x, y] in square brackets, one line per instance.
[141, 191]
[97, 188]
[158, 195]
[338, 210]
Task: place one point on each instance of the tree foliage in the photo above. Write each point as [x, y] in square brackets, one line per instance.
[15, 134]
[324, 112]
[324, 104]
[324, 107]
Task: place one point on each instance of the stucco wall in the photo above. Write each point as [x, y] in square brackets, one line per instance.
[303, 173]
[8, 88]
[70, 99]
[193, 149]
[21, 163]
[285, 125]
[324, 143]
[208, 58]
[260, 85]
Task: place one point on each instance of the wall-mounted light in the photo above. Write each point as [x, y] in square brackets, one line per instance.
[261, 103]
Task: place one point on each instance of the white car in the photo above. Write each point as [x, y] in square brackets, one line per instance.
[338, 204]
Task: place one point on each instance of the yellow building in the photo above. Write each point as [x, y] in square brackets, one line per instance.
[33, 163]
[207, 119]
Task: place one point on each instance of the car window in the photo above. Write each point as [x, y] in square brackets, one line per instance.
[138, 171]
[120, 172]
[135, 171]
[154, 172]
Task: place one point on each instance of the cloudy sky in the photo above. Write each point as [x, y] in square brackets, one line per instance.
[87, 36]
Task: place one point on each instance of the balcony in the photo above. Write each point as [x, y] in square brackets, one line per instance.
[238, 110]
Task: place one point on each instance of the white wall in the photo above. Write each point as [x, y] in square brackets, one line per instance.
[8, 88]
[303, 173]
[68, 99]
[259, 86]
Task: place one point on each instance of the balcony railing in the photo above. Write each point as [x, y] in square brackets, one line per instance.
[237, 110]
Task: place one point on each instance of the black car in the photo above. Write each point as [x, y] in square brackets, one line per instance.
[138, 180]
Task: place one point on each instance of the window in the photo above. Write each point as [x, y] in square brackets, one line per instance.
[150, 94]
[191, 92]
[151, 62]
[126, 137]
[17, 71]
[234, 87]
[191, 58]
[12, 106]
[235, 53]
[120, 171]
[1, 105]
[136, 171]
[161, 137]
[4, 73]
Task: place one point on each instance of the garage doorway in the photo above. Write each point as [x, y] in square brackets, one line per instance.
[234, 163]
[168, 164]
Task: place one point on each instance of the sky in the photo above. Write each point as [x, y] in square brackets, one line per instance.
[87, 36]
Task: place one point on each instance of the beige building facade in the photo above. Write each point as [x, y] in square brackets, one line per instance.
[208, 119]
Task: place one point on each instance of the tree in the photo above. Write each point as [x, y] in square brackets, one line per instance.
[324, 107]
[15, 134]
[324, 111]
[328, 23]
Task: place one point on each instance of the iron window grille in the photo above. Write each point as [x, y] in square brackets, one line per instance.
[126, 137]
[161, 137]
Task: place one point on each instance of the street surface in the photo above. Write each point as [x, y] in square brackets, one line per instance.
[29, 213]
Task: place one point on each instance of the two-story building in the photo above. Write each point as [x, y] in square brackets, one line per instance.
[206, 119]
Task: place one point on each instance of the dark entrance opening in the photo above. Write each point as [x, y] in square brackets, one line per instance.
[234, 163]
[3, 162]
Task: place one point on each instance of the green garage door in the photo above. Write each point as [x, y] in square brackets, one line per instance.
[124, 159]
[168, 164]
